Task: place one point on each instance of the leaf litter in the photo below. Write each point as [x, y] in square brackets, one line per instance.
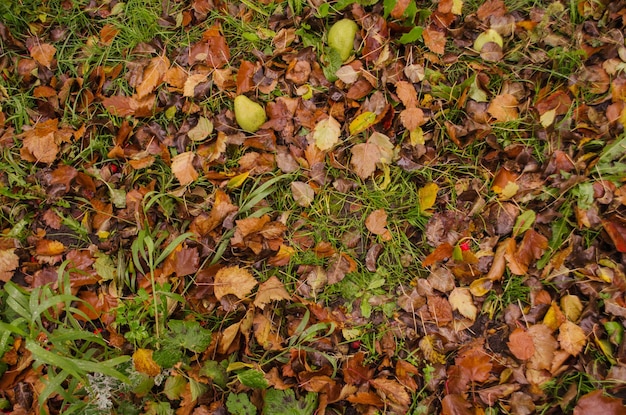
[435, 224]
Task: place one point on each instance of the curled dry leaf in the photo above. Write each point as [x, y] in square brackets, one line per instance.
[233, 280]
[153, 75]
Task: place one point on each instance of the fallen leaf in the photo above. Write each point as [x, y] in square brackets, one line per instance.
[153, 75]
[521, 344]
[182, 167]
[427, 196]
[9, 262]
[364, 159]
[455, 404]
[143, 362]
[461, 300]
[572, 307]
[202, 130]
[412, 118]
[42, 142]
[120, 106]
[47, 247]
[302, 193]
[475, 363]
[376, 223]
[392, 390]
[596, 403]
[545, 346]
[233, 280]
[326, 133]
[443, 251]
[43, 54]
[362, 122]
[617, 232]
[571, 338]
[435, 39]
[406, 93]
[271, 290]
[440, 309]
[504, 108]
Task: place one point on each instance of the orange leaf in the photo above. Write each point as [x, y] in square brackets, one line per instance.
[9, 262]
[43, 54]
[412, 118]
[143, 362]
[617, 232]
[233, 280]
[244, 77]
[521, 344]
[407, 94]
[440, 309]
[108, 33]
[392, 390]
[182, 167]
[47, 247]
[572, 338]
[475, 363]
[545, 346]
[270, 290]
[435, 39]
[376, 223]
[120, 106]
[504, 108]
[153, 75]
[440, 253]
[41, 143]
[531, 248]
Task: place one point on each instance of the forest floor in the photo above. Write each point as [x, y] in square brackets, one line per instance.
[305, 207]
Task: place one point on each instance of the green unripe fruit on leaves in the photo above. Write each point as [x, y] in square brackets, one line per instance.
[341, 37]
[249, 115]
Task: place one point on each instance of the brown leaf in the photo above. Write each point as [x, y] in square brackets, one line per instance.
[43, 54]
[376, 223]
[9, 262]
[499, 263]
[412, 118]
[545, 346]
[355, 372]
[265, 333]
[120, 106]
[364, 159]
[443, 251]
[440, 309]
[64, 175]
[461, 300]
[302, 193]
[571, 338]
[108, 33]
[475, 363]
[504, 108]
[189, 85]
[271, 290]
[42, 142]
[182, 262]
[222, 207]
[521, 344]
[617, 232]
[244, 77]
[340, 265]
[392, 390]
[435, 39]
[596, 403]
[455, 404]
[491, 8]
[233, 280]
[407, 94]
[182, 167]
[153, 75]
[531, 248]
[47, 247]
[399, 8]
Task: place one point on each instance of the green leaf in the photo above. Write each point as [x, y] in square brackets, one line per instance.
[168, 356]
[413, 36]
[279, 402]
[158, 408]
[197, 389]
[216, 372]
[239, 404]
[174, 387]
[333, 63]
[524, 222]
[584, 192]
[190, 335]
[104, 266]
[253, 379]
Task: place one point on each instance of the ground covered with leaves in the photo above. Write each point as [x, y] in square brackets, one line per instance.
[420, 209]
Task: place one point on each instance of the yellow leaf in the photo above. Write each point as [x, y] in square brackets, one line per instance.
[202, 130]
[461, 300]
[481, 286]
[238, 180]
[457, 7]
[572, 307]
[326, 133]
[427, 196]
[554, 317]
[427, 346]
[233, 280]
[143, 362]
[362, 122]
[417, 136]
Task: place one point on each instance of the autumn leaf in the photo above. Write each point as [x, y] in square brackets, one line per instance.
[412, 118]
[545, 346]
[521, 344]
[376, 223]
[435, 39]
[47, 247]
[233, 280]
[302, 193]
[182, 167]
[271, 290]
[407, 94]
[571, 338]
[362, 122]
[392, 390]
[9, 262]
[504, 108]
[461, 300]
[474, 363]
[326, 133]
[455, 404]
[427, 196]
[120, 105]
[364, 159]
[42, 142]
[202, 130]
[143, 362]
[43, 54]
[596, 403]
[153, 75]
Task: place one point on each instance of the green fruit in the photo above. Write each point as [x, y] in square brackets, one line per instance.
[487, 36]
[341, 37]
[249, 115]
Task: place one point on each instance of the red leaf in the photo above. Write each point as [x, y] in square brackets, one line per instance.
[521, 344]
[617, 232]
[244, 77]
[455, 405]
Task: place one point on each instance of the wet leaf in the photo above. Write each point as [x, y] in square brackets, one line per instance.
[233, 280]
